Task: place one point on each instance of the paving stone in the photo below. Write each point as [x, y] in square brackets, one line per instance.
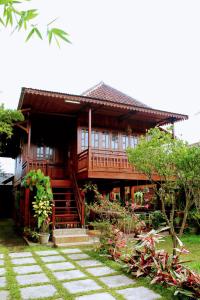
[60, 266]
[1, 256]
[75, 250]
[2, 282]
[20, 254]
[2, 271]
[46, 253]
[32, 279]
[78, 256]
[4, 295]
[1, 262]
[27, 269]
[116, 280]
[81, 286]
[138, 293]
[100, 296]
[23, 261]
[67, 275]
[89, 263]
[52, 258]
[34, 292]
[99, 271]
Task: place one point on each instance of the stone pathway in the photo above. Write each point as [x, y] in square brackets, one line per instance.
[43, 274]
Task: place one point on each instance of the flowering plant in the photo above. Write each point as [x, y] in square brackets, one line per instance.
[43, 199]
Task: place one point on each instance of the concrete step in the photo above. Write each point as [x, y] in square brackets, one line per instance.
[70, 231]
[89, 242]
[60, 239]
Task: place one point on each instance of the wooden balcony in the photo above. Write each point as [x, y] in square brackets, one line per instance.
[106, 164]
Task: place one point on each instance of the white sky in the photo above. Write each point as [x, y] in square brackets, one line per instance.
[147, 49]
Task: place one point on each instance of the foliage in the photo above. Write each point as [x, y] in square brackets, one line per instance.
[43, 199]
[13, 14]
[157, 219]
[172, 165]
[7, 119]
[91, 193]
[30, 234]
[161, 267]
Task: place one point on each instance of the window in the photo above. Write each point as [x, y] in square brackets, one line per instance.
[84, 139]
[105, 140]
[115, 141]
[133, 141]
[125, 142]
[44, 152]
[95, 139]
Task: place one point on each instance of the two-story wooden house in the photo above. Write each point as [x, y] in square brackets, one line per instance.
[76, 138]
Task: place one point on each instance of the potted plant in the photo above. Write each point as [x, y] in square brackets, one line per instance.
[36, 181]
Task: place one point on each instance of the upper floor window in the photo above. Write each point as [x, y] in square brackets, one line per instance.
[133, 141]
[115, 141]
[125, 142]
[84, 139]
[95, 139]
[105, 140]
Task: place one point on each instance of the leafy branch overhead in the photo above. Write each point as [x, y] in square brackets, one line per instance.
[13, 15]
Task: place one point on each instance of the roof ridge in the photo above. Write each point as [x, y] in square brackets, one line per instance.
[93, 88]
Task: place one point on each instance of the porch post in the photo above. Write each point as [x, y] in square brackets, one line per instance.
[132, 193]
[122, 193]
[29, 142]
[89, 137]
[173, 130]
[26, 207]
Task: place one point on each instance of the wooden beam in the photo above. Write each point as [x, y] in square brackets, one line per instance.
[127, 115]
[89, 137]
[29, 140]
[22, 127]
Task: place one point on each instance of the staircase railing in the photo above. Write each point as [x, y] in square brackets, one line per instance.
[79, 199]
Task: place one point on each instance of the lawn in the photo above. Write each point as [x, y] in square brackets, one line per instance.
[192, 243]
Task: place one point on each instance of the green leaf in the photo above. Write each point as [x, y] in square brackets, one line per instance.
[30, 34]
[2, 22]
[38, 33]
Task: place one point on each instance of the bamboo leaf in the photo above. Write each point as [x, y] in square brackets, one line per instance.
[38, 33]
[30, 34]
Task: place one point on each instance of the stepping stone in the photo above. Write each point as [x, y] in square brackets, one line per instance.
[32, 279]
[81, 286]
[75, 250]
[1, 262]
[67, 275]
[78, 256]
[4, 295]
[2, 271]
[116, 280]
[138, 293]
[1, 256]
[27, 269]
[89, 263]
[52, 258]
[2, 282]
[100, 296]
[99, 271]
[46, 253]
[34, 292]
[23, 261]
[20, 254]
[60, 266]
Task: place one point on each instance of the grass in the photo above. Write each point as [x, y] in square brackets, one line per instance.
[192, 243]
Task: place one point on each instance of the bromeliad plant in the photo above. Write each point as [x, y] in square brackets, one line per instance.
[36, 180]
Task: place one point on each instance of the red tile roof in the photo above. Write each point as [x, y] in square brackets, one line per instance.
[105, 92]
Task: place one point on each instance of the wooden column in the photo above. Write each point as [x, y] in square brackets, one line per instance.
[122, 193]
[29, 140]
[26, 207]
[132, 193]
[89, 137]
[173, 130]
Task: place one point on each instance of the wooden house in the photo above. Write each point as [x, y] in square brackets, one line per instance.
[79, 138]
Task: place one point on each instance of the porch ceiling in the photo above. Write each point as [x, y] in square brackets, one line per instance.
[40, 101]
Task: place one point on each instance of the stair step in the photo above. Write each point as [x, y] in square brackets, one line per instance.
[70, 238]
[61, 183]
[90, 242]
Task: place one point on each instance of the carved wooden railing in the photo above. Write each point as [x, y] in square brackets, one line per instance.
[79, 199]
[104, 160]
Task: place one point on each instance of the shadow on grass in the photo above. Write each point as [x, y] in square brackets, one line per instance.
[8, 235]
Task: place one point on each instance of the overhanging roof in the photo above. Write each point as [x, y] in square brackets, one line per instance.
[42, 101]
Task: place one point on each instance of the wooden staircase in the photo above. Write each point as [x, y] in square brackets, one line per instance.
[65, 211]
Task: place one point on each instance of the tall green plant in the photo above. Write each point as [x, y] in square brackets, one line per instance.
[171, 165]
[43, 203]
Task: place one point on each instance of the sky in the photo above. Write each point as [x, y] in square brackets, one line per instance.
[149, 50]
